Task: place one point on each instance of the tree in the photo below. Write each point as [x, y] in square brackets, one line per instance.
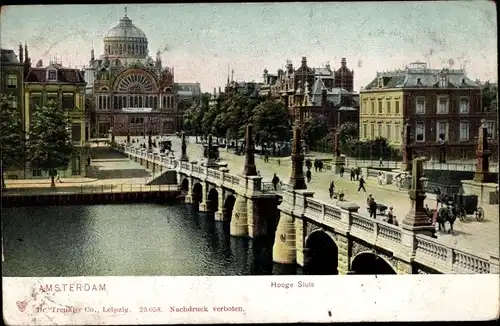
[315, 128]
[192, 119]
[348, 131]
[11, 136]
[271, 122]
[49, 143]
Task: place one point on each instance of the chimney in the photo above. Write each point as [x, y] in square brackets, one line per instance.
[327, 66]
[343, 62]
[215, 91]
[26, 53]
[21, 53]
[304, 62]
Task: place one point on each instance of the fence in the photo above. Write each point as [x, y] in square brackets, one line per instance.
[93, 189]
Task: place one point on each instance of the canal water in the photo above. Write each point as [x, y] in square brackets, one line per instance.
[128, 240]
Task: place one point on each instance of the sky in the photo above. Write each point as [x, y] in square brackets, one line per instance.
[202, 40]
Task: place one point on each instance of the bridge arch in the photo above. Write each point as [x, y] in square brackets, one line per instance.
[185, 184]
[213, 198]
[369, 263]
[228, 207]
[322, 254]
[197, 192]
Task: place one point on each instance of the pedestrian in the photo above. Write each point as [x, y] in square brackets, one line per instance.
[395, 221]
[381, 164]
[342, 171]
[308, 176]
[352, 174]
[373, 208]
[58, 178]
[320, 165]
[279, 162]
[380, 178]
[331, 189]
[275, 182]
[361, 184]
[358, 172]
[308, 164]
[390, 216]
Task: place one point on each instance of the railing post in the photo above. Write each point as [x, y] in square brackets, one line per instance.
[449, 258]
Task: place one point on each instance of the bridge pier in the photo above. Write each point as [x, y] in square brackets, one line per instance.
[239, 220]
[205, 203]
[284, 249]
[221, 212]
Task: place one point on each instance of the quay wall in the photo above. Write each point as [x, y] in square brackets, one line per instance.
[62, 199]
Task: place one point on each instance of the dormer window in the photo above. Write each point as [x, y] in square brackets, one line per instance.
[419, 82]
[443, 83]
[52, 75]
[380, 82]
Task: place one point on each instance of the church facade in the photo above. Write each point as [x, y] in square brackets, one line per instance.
[128, 92]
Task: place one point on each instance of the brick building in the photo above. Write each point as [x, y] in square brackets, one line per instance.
[443, 106]
[308, 91]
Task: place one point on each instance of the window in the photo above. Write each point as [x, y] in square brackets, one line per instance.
[372, 131]
[52, 75]
[443, 83]
[373, 107]
[379, 106]
[380, 129]
[388, 131]
[463, 154]
[420, 105]
[13, 103]
[442, 106]
[365, 130]
[420, 131]
[464, 131]
[76, 132]
[36, 173]
[68, 101]
[441, 131]
[490, 128]
[464, 105]
[52, 97]
[396, 107]
[388, 107]
[397, 131]
[11, 81]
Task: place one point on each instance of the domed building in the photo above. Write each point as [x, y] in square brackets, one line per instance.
[131, 93]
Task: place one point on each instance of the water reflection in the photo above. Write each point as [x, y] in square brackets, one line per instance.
[135, 240]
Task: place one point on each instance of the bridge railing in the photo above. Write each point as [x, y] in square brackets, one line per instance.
[92, 189]
[432, 253]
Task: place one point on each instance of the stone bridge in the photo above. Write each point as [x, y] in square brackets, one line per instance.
[323, 238]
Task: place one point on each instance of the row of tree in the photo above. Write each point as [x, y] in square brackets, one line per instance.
[228, 119]
[47, 144]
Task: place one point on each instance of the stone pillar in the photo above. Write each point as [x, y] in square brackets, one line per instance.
[221, 211]
[250, 168]
[205, 203]
[239, 220]
[483, 154]
[417, 219]
[300, 225]
[189, 196]
[407, 147]
[210, 160]
[343, 254]
[297, 180]
[150, 141]
[184, 157]
[284, 251]
[250, 217]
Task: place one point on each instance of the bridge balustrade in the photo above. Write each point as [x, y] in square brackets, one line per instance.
[428, 251]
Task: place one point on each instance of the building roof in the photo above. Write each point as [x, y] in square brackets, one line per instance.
[64, 75]
[125, 30]
[323, 71]
[417, 75]
[9, 56]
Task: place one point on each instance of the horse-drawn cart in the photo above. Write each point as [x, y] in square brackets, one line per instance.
[468, 205]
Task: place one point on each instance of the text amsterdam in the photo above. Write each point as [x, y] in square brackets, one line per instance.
[79, 287]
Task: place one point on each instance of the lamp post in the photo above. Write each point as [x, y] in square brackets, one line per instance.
[417, 220]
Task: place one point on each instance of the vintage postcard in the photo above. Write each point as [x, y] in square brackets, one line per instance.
[249, 162]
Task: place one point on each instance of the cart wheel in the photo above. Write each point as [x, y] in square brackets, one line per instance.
[480, 214]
